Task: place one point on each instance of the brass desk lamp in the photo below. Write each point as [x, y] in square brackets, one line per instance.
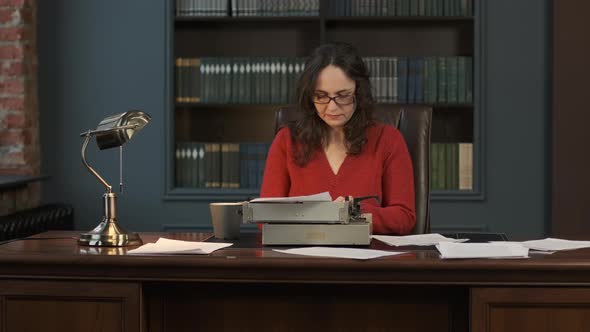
[113, 131]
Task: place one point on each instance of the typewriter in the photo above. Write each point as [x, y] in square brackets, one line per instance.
[310, 222]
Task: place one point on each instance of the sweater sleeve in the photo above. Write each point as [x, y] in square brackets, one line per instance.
[276, 181]
[397, 214]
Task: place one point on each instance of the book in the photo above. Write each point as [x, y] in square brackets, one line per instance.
[465, 166]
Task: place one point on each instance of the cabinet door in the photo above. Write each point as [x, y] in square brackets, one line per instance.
[69, 306]
[305, 307]
[534, 309]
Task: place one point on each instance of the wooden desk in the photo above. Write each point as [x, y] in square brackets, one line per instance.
[56, 285]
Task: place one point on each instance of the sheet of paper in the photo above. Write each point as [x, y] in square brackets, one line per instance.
[415, 240]
[353, 253]
[449, 250]
[552, 244]
[321, 197]
[168, 246]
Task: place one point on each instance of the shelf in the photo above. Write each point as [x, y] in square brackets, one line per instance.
[228, 106]
[412, 37]
[199, 194]
[245, 19]
[461, 106]
[202, 194]
[400, 19]
[296, 36]
[464, 106]
[329, 19]
[16, 181]
[451, 122]
[456, 195]
[222, 37]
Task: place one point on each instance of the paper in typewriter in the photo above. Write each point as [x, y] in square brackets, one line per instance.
[321, 197]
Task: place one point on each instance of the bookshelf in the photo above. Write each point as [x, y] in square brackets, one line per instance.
[231, 111]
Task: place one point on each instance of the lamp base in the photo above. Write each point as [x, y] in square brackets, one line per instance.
[109, 234]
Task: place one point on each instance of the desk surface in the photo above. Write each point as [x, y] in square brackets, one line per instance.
[57, 255]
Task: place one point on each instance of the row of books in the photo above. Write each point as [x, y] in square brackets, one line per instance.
[401, 7]
[241, 165]
[275, 7]
[220, 165]
[201, 8]
[451, 166]
[243, 80]
[312, 7]
[433, 80]
[272, 79]
[247, 7]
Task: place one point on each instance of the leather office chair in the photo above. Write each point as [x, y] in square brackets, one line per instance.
[414, 122]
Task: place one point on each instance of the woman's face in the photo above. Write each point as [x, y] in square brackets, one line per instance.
[334, 97]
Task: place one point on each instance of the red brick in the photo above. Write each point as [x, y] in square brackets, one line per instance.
[16, 103]
[15, 120]
[7, 15]
[11, 34]
[11, 52]
[12, 138]
[13, 3]
[19, 138]
[12, 87]
[15, 171]
[13, 68]
[14, 160]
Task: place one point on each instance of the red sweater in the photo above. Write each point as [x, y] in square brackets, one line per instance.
[383, 168]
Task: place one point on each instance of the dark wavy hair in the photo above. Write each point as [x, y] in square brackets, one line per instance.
[310, 131]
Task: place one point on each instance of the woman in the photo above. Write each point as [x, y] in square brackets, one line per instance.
[338, 147]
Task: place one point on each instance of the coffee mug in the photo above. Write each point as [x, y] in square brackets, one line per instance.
[226, 218]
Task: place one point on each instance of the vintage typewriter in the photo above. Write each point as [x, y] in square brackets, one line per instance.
[310, 222]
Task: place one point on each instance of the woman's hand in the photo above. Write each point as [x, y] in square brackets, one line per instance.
[342, 199]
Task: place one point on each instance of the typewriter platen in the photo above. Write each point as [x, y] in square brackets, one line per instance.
[311, 222]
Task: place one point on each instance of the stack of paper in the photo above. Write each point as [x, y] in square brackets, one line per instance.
[415, 240]
[551, 244]
[339, 252]
[167, 246]
[482, 250]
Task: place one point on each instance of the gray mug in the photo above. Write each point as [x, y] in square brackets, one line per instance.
[226, 219]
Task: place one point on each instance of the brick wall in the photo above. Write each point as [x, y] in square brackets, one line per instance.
[19, 120]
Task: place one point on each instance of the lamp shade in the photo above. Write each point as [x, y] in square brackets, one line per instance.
[117, 129]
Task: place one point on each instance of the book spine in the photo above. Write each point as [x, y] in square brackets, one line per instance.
[465, 166]
[178, 165]
[442, 79]
[452, 79]
[402, 80]
[469, 80]
[235, 165]
[412, 75]
[202, 166]
[225, 165]
[419, 90]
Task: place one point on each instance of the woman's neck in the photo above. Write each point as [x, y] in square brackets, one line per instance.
[336, 137]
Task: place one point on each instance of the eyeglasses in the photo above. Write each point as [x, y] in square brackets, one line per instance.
[341, 100]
